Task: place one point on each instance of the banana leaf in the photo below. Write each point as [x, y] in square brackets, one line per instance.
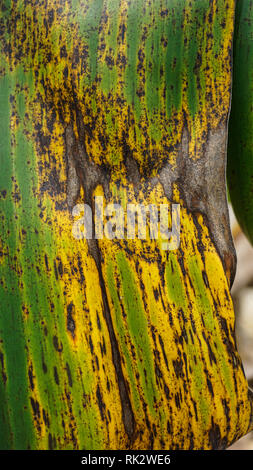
[116, 342]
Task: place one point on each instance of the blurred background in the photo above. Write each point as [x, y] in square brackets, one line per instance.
[242, 294]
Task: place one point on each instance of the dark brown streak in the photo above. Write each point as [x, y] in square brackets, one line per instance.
[89, 175]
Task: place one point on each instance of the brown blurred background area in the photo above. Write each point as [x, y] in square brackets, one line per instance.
[242, 294]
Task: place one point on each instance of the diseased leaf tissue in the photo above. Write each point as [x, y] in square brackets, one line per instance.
[116, 344]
